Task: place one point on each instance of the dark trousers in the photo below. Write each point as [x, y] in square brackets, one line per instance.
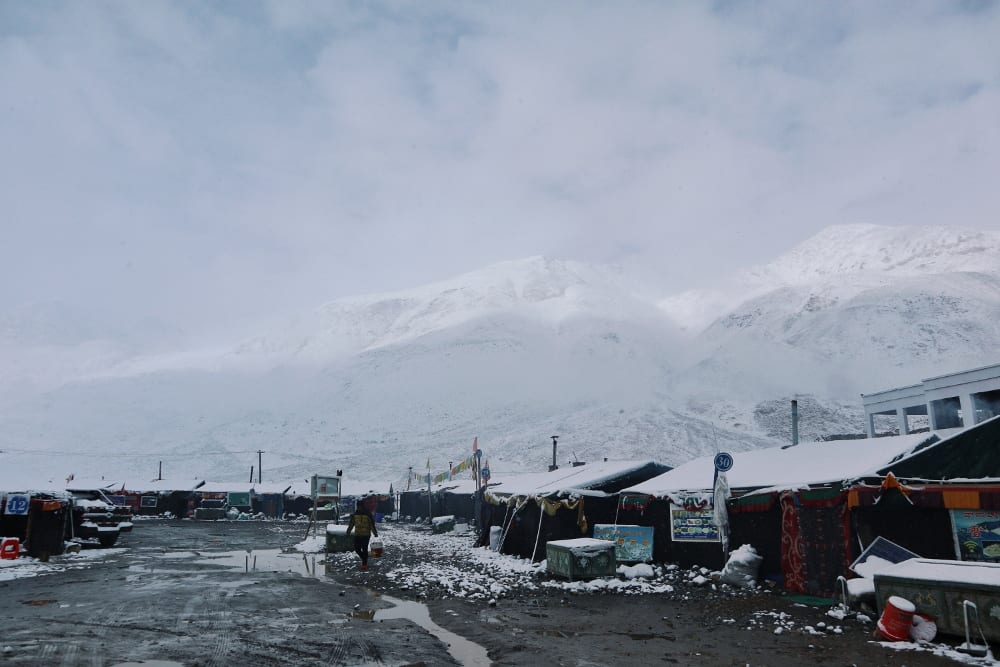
[361, 547]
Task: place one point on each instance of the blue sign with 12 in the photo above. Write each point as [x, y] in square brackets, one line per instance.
[17, 505]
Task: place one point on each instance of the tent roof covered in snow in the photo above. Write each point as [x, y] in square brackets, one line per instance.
[226, 487]
[164, 485]
[606, 476]
[788, 467]
[278, 488]
[970, 454]
[353, 488]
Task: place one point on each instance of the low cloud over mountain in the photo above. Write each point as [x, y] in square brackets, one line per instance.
[515, 353]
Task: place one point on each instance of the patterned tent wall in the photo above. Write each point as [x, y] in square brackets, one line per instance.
[918, 519]
[801, 536]
[815, 541]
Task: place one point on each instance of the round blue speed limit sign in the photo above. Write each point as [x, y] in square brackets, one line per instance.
[723, 461]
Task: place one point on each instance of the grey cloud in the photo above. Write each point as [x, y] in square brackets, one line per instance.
[214, 164]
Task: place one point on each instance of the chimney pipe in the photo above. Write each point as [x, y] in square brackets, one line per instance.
[553, 466]
[795, 422]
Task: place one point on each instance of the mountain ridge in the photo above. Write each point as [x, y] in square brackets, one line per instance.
[527, 348]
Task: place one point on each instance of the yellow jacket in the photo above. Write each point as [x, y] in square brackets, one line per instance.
[362, 525]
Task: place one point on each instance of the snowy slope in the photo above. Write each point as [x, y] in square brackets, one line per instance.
[515, 353]
[842, 261]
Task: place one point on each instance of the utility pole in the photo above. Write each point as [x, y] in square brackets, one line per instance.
[260, 465]
[795, 422]
[553, 466]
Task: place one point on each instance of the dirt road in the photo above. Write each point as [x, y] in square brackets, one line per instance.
[189, 593]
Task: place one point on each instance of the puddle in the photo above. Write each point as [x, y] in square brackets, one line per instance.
[460, 648]
[273, 560]
[268, 560]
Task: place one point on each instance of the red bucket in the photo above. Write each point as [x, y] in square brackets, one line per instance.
[10, 548]
[896, 619]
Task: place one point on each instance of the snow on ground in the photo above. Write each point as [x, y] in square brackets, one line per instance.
[447, 565]
[943, 650]
[32, 567]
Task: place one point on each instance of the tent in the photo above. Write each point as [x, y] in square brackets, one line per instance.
[940, 501]
[789, 502]
[533, 508]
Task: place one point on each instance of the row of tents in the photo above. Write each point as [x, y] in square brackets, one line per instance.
[810, 510]
[181, 498]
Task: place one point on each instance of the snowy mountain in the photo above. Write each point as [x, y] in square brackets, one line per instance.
[522, 350]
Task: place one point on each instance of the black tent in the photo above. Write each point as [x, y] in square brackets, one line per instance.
[973, 453]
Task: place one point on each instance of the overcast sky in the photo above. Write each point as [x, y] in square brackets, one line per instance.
[213, 163]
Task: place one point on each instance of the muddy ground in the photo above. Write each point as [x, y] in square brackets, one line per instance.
[181, 591]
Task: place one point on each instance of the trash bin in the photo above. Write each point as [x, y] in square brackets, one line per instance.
[582, 558]
[443, 524]
[337, 539]
[48, 528]
[10, 548]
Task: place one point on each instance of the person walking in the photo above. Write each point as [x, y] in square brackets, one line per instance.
[363, 526]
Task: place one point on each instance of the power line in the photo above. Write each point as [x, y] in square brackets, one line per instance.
[52, 452]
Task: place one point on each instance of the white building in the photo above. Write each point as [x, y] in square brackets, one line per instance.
[948, 401]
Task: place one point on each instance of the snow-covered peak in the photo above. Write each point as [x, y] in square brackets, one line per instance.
[842, 261]
[537, 288]
[902, 251]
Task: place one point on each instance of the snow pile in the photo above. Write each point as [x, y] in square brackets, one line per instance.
[742, 567]
[780, 622]
[313, 544]
[606, 585]
[635, 571]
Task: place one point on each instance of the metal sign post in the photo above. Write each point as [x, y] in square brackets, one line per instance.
[720, 491]
[324, 487]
